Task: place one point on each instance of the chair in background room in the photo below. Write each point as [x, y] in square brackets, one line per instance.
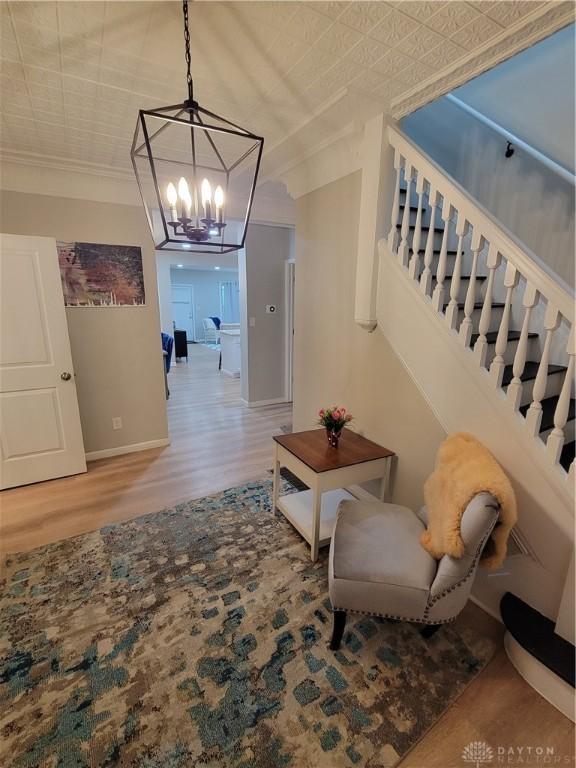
[211, 333]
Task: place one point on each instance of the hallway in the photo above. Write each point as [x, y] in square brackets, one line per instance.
[216, 442]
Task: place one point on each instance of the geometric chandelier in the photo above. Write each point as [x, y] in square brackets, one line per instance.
[196, 173]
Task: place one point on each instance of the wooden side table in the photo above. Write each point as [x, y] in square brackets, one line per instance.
[326, 471]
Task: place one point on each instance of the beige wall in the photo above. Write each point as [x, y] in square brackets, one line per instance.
[261, 268]
[335, 361]
[116, 351]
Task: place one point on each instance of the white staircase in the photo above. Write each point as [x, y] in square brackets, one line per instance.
[486, 332]
[527, 346]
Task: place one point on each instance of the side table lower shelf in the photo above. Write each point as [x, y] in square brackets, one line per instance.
[297, 508]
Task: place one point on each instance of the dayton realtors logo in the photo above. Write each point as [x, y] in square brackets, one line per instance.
[478, 753]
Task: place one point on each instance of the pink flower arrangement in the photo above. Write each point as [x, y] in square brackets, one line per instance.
[334, 418]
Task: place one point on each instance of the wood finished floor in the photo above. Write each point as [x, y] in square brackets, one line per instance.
[217, 442]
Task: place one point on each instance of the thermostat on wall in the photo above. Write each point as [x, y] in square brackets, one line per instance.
[271, 308]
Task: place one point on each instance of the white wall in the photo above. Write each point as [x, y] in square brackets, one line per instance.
[261, 276]
[206, 283]
[533, 96]
[116, 351]
[530, 200]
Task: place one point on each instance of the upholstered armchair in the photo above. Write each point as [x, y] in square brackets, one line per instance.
[377, 565]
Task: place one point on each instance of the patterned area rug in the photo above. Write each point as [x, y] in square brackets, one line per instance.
[197, 637]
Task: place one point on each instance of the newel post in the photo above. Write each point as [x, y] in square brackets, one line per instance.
[376, 197]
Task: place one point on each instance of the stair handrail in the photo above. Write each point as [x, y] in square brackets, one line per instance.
[527, 263]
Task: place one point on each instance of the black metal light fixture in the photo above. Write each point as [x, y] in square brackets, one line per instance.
[196, 172]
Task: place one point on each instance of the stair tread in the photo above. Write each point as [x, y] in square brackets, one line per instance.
[548, 410]
[530, 372]
[491, 336]
[477, 305]
[423, 228]
[567, 455]
[436, 252]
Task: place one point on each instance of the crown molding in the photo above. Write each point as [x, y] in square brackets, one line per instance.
[530, 29]
[56, 177]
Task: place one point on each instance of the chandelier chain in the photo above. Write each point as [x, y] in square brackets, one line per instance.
[187, 48]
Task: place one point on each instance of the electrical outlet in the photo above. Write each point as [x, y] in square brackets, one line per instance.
[117, 422]
[252, 322]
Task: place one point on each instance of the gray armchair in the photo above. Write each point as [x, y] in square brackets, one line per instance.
[377, 565]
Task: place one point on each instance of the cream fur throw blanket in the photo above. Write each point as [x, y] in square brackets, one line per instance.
[464, 467]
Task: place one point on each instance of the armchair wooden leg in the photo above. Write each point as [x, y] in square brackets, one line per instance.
[429, 630]
[338, 631]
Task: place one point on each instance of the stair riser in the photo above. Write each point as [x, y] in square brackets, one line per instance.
[494, 320]
[569, 432]
[553, 387]
[463, 288]
[510, 353]
[424, 239]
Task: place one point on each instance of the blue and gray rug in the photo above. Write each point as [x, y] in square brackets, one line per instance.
[197, 637]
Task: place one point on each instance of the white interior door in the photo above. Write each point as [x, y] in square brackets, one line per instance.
[183, 310]
[40, 432]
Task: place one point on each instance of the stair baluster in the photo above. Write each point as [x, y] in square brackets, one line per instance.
[534, 415]
[498, 364]
[481, 346]
[555, 440]
[438, 296]
[414, 265]
[470, 301]
[514, 391]
[393, 234]
[405, 228]
[452, 309]
[426, 277]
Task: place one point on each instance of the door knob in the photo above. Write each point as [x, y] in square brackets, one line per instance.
[65, 376]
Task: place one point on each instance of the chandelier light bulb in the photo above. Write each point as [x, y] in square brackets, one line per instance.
[171, 194]
[219, 202]
[183, 190]
[207, 199]
[206, 192]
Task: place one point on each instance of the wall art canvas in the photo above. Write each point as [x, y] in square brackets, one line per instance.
[96, 275]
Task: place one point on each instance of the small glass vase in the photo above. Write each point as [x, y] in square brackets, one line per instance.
[333, 436]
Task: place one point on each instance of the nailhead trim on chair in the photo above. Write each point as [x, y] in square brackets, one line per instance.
[393, 616]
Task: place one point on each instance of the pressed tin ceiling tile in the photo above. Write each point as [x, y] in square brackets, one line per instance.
[394, 28]
[339, 38]
[477, 32]
[364, 16]
[367, 52]
[452, 17]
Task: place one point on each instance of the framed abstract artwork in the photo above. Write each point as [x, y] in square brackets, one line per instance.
[95, 275]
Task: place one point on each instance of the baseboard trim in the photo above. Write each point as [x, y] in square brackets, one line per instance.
[486, 608]
[108, 453]
[545, 682]
[261, 403]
